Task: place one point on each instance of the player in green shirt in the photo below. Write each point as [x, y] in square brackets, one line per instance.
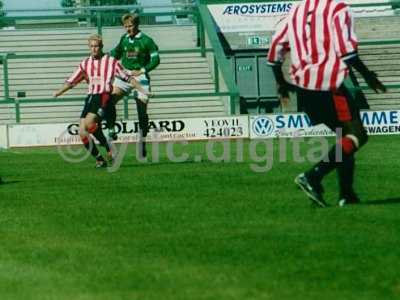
[137, 53]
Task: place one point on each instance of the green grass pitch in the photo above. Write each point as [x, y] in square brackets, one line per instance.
[195, 230]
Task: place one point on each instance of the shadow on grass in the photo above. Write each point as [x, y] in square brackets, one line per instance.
[382, 202]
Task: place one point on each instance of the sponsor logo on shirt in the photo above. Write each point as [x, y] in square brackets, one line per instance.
[132, 54]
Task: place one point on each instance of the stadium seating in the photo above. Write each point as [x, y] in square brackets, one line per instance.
[36, 78]
[383, 59]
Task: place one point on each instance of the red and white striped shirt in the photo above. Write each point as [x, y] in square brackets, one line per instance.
[320, 36]
[98, 73]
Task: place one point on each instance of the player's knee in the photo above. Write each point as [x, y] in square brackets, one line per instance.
[82, 132]
[92, 127]
[353, 141]
[356, 133]
[359, 135]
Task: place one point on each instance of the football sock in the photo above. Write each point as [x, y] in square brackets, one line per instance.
[99, 157]
[323, 167]
[111, 115]
[345, 173]
[99, 135]
[332, 161]
[89, 144]
[143, 117]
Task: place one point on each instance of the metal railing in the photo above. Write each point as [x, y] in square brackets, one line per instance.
[221, 62]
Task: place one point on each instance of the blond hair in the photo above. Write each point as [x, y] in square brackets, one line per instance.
[96, 37]
[134, 18]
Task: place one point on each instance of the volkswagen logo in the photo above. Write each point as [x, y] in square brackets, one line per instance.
[263, 126]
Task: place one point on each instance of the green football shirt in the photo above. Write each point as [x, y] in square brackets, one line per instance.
[137, 52]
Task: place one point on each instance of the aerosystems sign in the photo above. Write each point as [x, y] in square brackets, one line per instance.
[299, 125]
[245, 17]
[264, 16]
[160, 130]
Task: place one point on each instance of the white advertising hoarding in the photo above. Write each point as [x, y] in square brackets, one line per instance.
[299, 125]
[160, 130]
[243, 17]
[255, 127]
[264, 16]
[3, 137]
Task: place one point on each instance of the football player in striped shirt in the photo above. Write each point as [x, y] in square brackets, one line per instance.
[138, 54]
[323, 46]
[99, 71]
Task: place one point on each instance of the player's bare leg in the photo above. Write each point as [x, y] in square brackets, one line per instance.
[87, 141]
[141, 90]
[93, 125]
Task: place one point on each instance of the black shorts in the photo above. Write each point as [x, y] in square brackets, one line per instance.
[333, 108]
[94, 102]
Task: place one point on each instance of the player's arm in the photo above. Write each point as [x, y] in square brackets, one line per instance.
[67, 86]
[119, 71]
[72, 81]
[346, 47]
[154, 57]
[370, 77]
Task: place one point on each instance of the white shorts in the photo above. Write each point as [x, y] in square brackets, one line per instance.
[128, 88]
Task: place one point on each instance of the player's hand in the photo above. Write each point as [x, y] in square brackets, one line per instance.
[133, 82]
[136, 72]
[284, 89]
[284, 101]
[374, 83]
